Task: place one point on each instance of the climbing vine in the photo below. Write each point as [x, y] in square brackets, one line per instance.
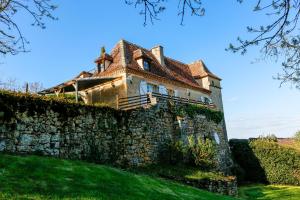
[191, 110]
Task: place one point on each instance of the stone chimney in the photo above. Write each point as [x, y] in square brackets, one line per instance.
[158, 52]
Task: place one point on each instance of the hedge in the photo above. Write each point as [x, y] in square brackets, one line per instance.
[265, 161]
[31, 103]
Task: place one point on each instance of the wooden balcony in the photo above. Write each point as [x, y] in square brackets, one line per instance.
[151, 99]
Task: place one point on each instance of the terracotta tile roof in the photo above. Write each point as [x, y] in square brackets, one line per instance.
[83, 74]
[116, 62]
[103, 57]
[199, 70]
[173, 70]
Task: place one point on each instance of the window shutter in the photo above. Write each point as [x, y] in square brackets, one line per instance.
[176, 93]
[143, 87]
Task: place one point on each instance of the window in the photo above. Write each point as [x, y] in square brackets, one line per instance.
[155, 89]
[149, 88]
[146, 65]
[212, 83]
[152, 88]
[206, 100]
[98, 67]
[217, 138]
[163, 90]
[102, 67]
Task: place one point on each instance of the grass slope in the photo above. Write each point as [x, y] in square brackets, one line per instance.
[269, 192]
[34, 177]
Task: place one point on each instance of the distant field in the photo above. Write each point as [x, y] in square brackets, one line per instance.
[34, 177]
[269, 192]
[290, 143]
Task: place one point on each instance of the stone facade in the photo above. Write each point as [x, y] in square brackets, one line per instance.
[104, 135]
[131, 70]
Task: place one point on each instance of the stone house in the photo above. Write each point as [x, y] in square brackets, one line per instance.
[132, 71]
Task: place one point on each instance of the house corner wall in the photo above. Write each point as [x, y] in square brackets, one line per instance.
[108, 93]
[216, 96]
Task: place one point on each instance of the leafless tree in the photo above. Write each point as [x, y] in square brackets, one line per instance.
[12, 41]
[35, 87]
[150, 9]
[278, 39]
[12, 84]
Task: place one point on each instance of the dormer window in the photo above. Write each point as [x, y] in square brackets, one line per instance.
[146, 65]
[100, 67]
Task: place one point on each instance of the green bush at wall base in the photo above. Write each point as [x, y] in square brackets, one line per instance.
[197, 152]
[264, 160]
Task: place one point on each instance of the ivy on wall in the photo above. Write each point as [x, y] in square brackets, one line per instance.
[191, 110]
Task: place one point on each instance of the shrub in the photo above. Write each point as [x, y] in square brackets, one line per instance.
[200, 152]
[31, 103]
[264, 160]
[98, 104]
[269, 137]
[203, 152]
[297, 136]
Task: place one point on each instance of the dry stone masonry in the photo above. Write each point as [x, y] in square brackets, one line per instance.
[104, 135]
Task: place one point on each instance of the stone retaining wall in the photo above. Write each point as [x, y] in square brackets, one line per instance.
[104, 135]
[216, 186]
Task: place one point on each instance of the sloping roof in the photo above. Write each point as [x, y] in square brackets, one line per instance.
[124, 54]
[199, 70]
[84, 79]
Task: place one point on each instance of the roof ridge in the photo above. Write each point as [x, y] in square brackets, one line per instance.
[165, 69]
[140, 47]
[149, 50]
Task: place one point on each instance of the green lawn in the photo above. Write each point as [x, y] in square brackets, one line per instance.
[34, 177]
[269, 192]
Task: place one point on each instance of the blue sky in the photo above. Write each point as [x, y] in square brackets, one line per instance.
[254, 103]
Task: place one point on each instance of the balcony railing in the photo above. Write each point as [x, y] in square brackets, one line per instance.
[150, 99]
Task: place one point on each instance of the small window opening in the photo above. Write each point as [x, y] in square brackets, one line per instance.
[146, 65]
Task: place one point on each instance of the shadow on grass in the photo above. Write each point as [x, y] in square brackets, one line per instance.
[248, 166]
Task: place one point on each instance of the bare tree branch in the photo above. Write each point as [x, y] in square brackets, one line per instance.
[277, 39]
[150, 9]
[12, 41]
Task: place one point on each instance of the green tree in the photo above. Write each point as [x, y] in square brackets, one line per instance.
[297, 136]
